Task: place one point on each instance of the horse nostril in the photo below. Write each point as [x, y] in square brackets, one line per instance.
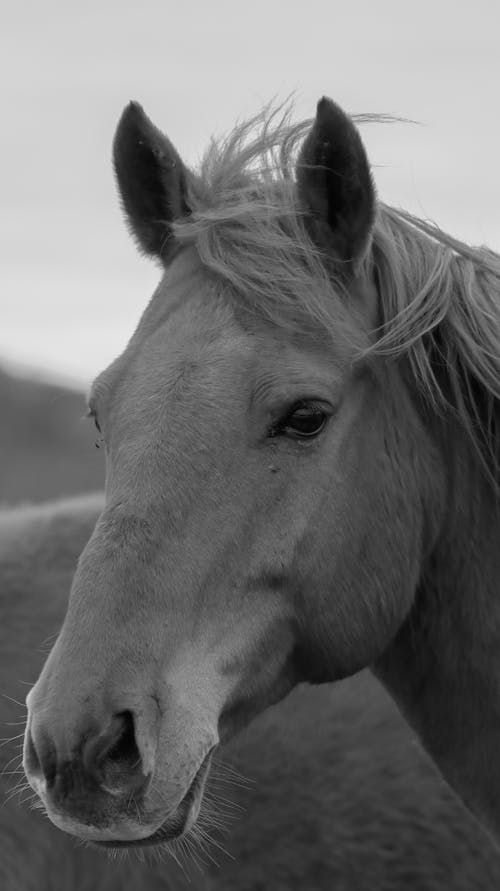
[114, 758]
[31, 760]
[40, 759]
[124, 750]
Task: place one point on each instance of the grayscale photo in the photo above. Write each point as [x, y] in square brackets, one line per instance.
[250, 446]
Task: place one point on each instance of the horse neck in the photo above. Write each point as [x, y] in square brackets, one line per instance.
[443, 668]
[463, 571]
[455, 621]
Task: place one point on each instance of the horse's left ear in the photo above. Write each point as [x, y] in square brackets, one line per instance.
[152, 181]
[335, 184]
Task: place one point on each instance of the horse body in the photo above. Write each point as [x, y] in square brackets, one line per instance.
[302, 481]
[339, 796]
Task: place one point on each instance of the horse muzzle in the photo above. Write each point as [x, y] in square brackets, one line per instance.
[104, 788]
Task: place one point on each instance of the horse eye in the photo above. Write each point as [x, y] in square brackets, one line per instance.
[305, 421]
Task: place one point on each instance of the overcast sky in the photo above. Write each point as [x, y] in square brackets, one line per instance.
[71, 285]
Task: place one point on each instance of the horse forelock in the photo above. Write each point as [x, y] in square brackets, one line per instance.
[438, 297]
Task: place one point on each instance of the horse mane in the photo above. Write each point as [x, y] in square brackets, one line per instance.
[439, 297]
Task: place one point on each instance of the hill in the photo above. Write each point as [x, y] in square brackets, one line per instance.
[47, 448]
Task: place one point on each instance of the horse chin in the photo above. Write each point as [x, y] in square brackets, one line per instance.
[178, 823]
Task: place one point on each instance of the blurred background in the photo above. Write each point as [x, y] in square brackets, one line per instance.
[72, 286]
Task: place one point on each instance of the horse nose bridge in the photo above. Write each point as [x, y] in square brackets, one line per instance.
[142, 557]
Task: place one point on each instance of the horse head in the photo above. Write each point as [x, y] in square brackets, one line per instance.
[275, 494]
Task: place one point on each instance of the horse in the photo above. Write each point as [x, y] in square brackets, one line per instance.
[328, 789]
[302, 449]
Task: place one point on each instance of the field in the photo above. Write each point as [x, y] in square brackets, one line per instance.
[47, 447]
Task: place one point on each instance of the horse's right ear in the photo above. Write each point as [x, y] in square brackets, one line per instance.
[151, 179]
[335, 185]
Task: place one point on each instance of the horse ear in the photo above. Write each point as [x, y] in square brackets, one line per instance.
[151, 179]
[335, 185]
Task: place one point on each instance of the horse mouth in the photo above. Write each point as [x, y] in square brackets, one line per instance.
[178, 823]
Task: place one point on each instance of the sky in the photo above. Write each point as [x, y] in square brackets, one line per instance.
[72, 286]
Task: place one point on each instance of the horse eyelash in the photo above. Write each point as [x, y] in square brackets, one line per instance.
[92, 414]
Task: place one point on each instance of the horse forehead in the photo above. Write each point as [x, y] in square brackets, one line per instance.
[186, 331]
[196, 344]
[192, 332]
